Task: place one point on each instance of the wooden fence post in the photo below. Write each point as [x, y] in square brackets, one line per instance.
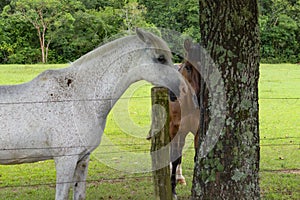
[160, 139]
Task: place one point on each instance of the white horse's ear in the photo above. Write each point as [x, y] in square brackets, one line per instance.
[143, 35]
[187, 44]
[140, 33]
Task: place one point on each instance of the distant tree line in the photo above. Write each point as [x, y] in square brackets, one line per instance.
[280, 30]
[59, 31]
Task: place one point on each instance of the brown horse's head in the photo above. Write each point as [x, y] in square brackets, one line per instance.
[190, 67]
[191, 74]
[192, 53]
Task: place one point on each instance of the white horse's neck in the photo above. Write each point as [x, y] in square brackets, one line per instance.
[101, 58]
[109, 66]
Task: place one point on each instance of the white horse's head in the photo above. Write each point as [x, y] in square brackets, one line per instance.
[156, 64]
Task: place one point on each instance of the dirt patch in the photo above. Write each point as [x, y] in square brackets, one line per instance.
[290, 171]
[285, 171]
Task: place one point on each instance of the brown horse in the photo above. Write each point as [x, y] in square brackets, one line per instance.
[184, 117]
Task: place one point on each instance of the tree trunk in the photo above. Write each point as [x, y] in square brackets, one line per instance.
[42, 42]
[230, 35]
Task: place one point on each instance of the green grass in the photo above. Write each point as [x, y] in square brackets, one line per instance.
[279, 117]
[14, 74]
[279, 92]
[128, 125]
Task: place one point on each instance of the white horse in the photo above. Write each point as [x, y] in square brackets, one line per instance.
[61, 114]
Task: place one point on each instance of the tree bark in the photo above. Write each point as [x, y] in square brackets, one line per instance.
[230, 35]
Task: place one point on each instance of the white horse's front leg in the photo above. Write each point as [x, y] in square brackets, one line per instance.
[65, 169]
[80, 178]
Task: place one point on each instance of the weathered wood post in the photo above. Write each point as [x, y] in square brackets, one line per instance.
[159, 144]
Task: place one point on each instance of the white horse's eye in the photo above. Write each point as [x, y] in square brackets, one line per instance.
[161, 59]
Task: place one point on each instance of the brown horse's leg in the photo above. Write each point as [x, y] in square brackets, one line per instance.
[176, 156]
[175, 159]
[173, 176]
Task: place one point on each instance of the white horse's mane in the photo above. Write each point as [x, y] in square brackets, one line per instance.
[105, 49]
[102, 50]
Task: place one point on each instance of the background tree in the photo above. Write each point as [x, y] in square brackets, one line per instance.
[78, 26]
[102, 4]
[178, 15]
[89, 29]
[280, 30]
[230, 34]
[17, 43]
[47, 16]
[3, 3]
[132, 14]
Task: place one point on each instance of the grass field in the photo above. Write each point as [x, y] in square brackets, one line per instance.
[124, 149]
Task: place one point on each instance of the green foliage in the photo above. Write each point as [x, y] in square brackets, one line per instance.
[280, 29]
[62, 31]
[177, 15]
[75, 27]
[3, 3]
[15, 37]
[76, 39]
